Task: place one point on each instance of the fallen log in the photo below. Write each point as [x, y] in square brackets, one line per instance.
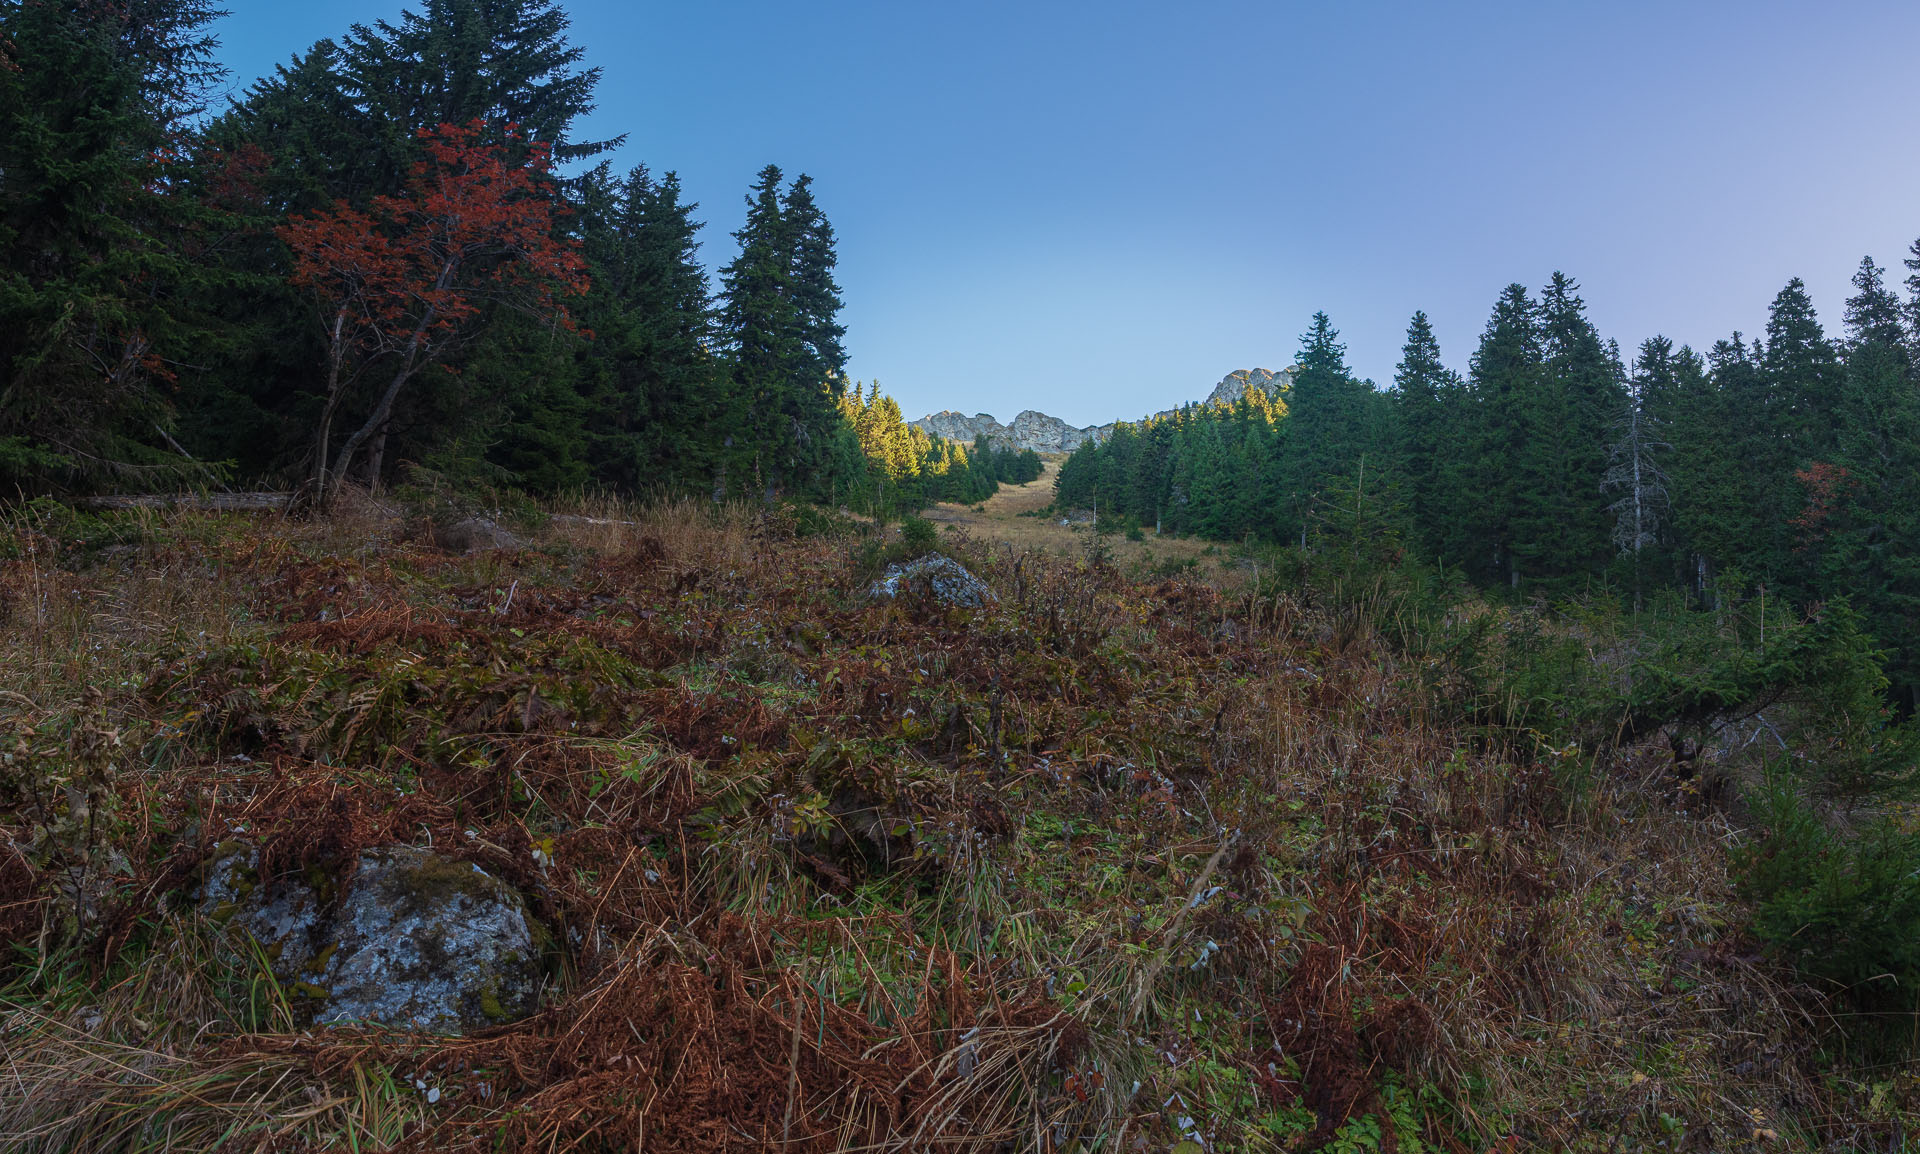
[210, 502]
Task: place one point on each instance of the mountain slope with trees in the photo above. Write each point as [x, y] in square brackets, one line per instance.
[1783, 467]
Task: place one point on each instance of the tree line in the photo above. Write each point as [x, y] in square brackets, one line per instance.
[1786, 466]
[394, 251]
[915, 468]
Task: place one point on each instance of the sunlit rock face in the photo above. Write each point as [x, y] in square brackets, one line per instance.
[1030, 430]
[1235, 384]
[1044, 434]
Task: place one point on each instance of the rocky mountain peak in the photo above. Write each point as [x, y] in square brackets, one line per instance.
[1035, 430]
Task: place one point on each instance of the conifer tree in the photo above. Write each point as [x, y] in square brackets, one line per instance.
[1779, 399]
[1672, 388]
[1504, 374]
[97, 272]
[1871, 547]
[1802, 371]
[1561, 527]
[780, 326]
[649, 381]
[498, 61]
[1429, 397]
[816, 298]
[1732, 510]
[759, 325]
[1329, 418]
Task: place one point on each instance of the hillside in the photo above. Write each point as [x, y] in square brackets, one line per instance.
[1106, 864]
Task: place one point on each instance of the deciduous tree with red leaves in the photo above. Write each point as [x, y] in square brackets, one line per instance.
[401, 283]
[1827, 488]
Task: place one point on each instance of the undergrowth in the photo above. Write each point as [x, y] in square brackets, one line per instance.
[1260, 863]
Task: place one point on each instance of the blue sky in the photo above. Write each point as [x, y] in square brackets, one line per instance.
[1098, 209]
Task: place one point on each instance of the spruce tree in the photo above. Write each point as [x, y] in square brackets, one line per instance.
[758, 324]
[1672, 388]
[1869, 546]
[1505, 372]
[1329, 420]
[1429, 397]
[814, 375]
[1802, 375]
[1732, 510]
[1560, 522]
[779, 325]
[1782, 399]
[650, 381]
[816, 298]
[101, 291]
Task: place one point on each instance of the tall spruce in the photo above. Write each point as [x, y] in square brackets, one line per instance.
[1672, 388]
[816, 296]
[1429, 397]
[1330, 423]
[98, 260]
[1561, 527]
[1800, 376]
[760, 327]
[1869, 546]
[1803, 376]
[1505, 373]
[1734, 508]
[648, 380]
[780, 326]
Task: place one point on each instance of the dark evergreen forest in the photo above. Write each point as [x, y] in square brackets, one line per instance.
[397, 253]
[1786, 466]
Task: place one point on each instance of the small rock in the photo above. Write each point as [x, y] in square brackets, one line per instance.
[941, 578]
[417, 940]
[475, 534]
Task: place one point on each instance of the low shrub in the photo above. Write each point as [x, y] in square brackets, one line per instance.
[918, 537]
[1842, 908]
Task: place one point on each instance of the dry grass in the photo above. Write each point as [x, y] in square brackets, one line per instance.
[1113, 865]
[1012, 517]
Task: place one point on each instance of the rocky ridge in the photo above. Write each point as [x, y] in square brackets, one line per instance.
[1046, 434]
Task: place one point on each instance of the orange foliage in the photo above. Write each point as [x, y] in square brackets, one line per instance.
[471, 225]
[1827, 486]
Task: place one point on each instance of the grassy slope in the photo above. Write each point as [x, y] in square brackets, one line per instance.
[1013, 516]
[1109, 866]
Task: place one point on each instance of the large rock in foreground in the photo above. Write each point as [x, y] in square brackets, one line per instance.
[416, 940]
[940, 578]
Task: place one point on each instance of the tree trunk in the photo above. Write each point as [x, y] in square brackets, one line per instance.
[378, 420]
[410, 363]
[376, 457]
[323, 433]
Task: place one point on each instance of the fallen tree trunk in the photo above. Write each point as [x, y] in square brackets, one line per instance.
[212, 502]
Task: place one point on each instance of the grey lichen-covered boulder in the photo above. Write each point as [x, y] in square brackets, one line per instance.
[941, 578]
[474, 535]
[415, 940]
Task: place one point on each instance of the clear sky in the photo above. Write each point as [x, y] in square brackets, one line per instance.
[1097, 209]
